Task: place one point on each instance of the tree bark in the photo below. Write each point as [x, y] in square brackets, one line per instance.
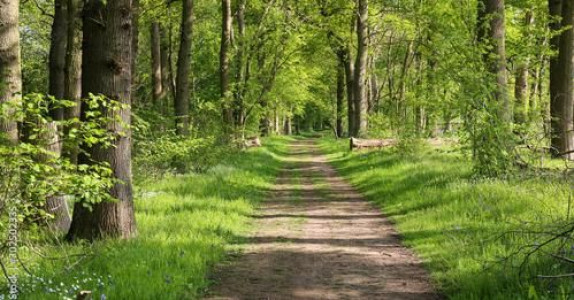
[135, 49]
[57, 64]
[241, 66]
[288, 128]
[73, 71]
[350, 87]
[521, 86]
[361, 101]
[224, 65]
[493, 13]
[107, 61]
[56, 205]
[156, 76]
[10, 69]
[401, 101]
[165, 68]
[183, 70]
[340, 97]
[556, 106]
[564, 101]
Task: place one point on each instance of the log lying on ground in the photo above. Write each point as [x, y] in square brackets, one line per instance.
[357, 144]
[252, 142]
[437, 142]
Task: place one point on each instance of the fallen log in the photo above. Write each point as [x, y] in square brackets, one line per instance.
[357, 144]
[252, 142]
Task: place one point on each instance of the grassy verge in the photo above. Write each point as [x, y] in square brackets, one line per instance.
[185, 224]
[467, 230]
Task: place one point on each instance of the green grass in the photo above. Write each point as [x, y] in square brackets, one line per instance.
[465, 229]
[186, 225]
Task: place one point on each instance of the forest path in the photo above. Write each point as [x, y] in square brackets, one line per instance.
[319, 239]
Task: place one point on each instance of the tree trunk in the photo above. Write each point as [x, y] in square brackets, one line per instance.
[493, 13]
[183, 69]
[156, 76]
[135, 49]
[165, 69]
[556, 105]
[57, 206]
[288, 130]
[401, 102]
[277, 126]
[10, 70]
[340, 97]
[521, 86]
[241, 66]
[361, 101]
[350, 87]
[73, 80]
[374, 88]
[106, 69]
[224, 65]
[537, 86]
[564, 111]
[57, 65]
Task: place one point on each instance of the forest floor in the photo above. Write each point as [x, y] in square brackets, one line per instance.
[317, 238]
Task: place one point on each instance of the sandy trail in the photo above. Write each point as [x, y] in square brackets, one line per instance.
[319, 239]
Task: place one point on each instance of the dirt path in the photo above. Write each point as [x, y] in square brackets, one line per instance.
[319, 239]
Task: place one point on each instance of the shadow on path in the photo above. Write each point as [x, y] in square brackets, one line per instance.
[318, 239]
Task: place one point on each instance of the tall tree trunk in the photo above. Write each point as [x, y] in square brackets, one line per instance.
[10, 69]
[492, 12]
[537, 86]
[57, 65]
[106, 69]
[521, 94]
[556, 105]
[564, 111]
[241, 66]
[340, 96]
[350, 87]
[374, 88]
[361, 101]
[420, 111]
[183, 70]
[288, 129]
[57, 206]
[165, 69]
[401, 101]
[73, 81]
[135, 49]
[156, 76]
[224, 64]
[521, 86]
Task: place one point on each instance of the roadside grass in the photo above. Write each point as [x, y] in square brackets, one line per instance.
[468, 231]
[186, 224]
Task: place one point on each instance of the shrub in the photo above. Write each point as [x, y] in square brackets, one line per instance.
[176, 155]
[412, 147]
[33, 170]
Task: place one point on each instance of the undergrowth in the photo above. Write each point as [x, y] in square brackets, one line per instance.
[473, 234]
[186, 224]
